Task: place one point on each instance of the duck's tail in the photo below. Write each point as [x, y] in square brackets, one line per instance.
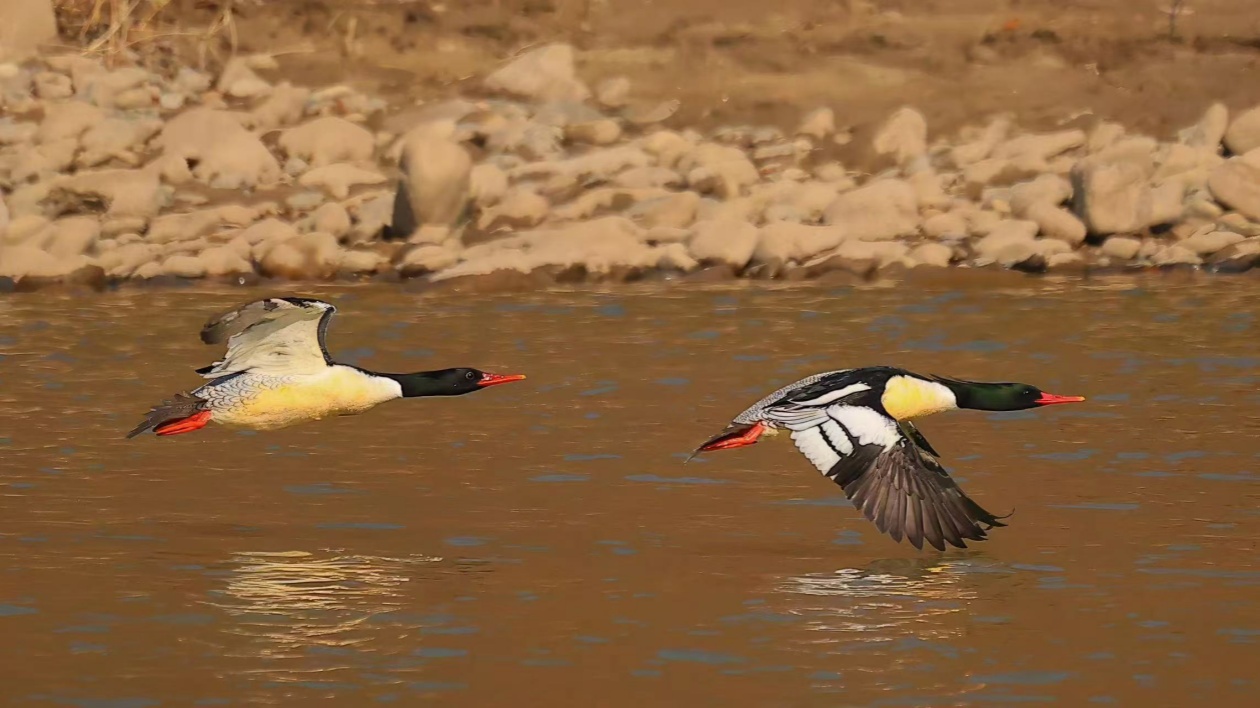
[184, 414]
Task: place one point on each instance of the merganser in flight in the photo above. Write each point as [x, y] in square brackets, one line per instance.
[277, 372]
[854, 426]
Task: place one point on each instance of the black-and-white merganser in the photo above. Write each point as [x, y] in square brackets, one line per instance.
[277, 372]
[854, 426]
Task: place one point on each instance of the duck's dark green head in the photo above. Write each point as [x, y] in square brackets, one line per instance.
[448, 382]
[1002, 396]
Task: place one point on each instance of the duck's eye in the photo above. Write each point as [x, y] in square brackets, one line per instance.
[470, 375]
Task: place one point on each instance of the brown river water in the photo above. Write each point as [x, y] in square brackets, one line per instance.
[542, 544]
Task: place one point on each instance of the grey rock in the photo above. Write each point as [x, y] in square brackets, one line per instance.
[818, 124]
[1039, 148]
[881, 252]
[1205, 244]
[932, 254]
[604, 131]
[648, 177]
[877, 211]
[339, 179]
[543, 74]
[1176, 255]
[979, 144]
[1236, 184]
[1057, 223]
[783, 241]
[903, 136]
[731, 242]
[224, 153]
[1111, 191]
[52, 85]
[304, 201]
[1243, 134]
[1051, 190]
[676, 210]
[613, 92]
[651, 114]
[947, 225]
[719, 169]
[1239, 224]
[1103, 136]
[1209, 132]
[25, 25]
[327, 141]
[436, 184]
[1009, 242]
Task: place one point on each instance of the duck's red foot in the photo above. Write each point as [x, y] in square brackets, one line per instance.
[196, 421]
[734, 436]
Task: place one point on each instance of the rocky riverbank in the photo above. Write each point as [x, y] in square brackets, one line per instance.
[118, 175]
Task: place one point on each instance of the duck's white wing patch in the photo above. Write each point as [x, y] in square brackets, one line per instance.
[274, 336]
[866, 425]
[820, 447]
[827, 435]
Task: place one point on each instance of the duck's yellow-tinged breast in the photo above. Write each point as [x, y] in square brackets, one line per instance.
[906, 397]
[339, 391]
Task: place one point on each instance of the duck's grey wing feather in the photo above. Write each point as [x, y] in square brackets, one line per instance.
[277, 336]
[755, 412]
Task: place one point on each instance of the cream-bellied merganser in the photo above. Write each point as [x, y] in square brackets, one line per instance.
[277, 372]
[854, 426]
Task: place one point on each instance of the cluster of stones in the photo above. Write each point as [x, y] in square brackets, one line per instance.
[124, 174]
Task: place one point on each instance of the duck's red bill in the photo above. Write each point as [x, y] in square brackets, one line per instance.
[734, 436]
[496, 379]
[1048, 399]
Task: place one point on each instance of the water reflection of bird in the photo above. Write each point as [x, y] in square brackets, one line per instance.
[854, 426]
[908, 577]
[887, 600]
[295, 600]
[277, 372]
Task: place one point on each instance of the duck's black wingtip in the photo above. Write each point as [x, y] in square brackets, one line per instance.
[994, 520]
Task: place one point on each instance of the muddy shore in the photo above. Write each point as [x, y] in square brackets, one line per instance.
[542, 170]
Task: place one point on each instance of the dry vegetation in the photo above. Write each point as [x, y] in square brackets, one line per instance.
[120, 31]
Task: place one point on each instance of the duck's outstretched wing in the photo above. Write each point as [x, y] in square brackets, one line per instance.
[888, 476]
[277, 335]
[910, 431]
